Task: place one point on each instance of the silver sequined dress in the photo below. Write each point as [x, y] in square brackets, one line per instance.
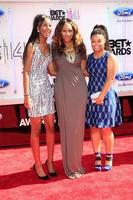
[40, 89]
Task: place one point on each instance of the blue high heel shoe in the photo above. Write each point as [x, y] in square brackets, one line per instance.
[98, 164]
[108, 163]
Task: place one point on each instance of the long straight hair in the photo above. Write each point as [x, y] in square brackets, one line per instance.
[38, 20]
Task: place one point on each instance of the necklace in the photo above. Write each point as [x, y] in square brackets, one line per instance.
[69, 50]
[70, 55]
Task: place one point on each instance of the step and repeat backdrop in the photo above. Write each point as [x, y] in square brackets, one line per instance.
[15, 27]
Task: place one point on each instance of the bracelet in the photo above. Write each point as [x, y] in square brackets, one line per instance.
[26, 94]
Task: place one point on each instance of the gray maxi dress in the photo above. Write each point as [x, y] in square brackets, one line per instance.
[70, 100]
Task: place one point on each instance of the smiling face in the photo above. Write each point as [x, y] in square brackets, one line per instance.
[67, 33]
[45, 28]
[98, 42]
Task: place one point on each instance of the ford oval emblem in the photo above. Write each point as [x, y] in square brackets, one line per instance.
[3, 83]
[1, 12]
[124, 76]
[123, 12]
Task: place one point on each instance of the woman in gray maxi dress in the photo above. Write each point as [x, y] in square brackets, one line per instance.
[70, 99]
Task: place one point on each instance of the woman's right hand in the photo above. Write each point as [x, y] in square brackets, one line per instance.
[27, 102]
[99, 100]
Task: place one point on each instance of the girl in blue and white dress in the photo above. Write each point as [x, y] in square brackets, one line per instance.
[103, 111]
[38, 94]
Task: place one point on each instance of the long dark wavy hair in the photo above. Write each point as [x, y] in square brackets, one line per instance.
[57, 41]
[102, 30]
[38, 20]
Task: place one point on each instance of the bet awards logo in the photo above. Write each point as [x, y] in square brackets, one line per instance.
[120, 46]
[61, 14]
[57, 14]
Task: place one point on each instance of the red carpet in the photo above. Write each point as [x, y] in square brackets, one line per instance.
[19, 182]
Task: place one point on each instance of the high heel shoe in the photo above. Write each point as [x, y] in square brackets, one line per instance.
[50, 173]
[98, 165]
[40, 177]
[72, 176]
[75, 175]
[108, 163]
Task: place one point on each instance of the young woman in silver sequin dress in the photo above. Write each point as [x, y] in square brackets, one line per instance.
[38, 94]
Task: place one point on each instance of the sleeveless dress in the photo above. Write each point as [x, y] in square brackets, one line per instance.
[109, 113]
[70, 100]
[40, 89]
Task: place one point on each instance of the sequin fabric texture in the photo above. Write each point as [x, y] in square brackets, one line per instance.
[40, 89]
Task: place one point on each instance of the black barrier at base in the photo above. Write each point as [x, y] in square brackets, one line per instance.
[15, 118]
[127, 101]
[15, 124]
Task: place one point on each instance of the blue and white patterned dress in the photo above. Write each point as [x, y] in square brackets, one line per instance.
[109, 113]
[40, 89]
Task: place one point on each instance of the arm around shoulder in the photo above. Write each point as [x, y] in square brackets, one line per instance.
[52, 69]
[84, 67]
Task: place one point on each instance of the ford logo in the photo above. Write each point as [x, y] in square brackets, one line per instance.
[1, 12]
[123, 11]
[124, 76]
[3, 83]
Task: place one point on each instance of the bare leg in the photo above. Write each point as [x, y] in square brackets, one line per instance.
[50, 140]
[108, 139]
[96, 143]
[35, 144]
[96, 139]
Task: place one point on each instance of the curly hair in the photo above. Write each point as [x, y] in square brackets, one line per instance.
[57, 41]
